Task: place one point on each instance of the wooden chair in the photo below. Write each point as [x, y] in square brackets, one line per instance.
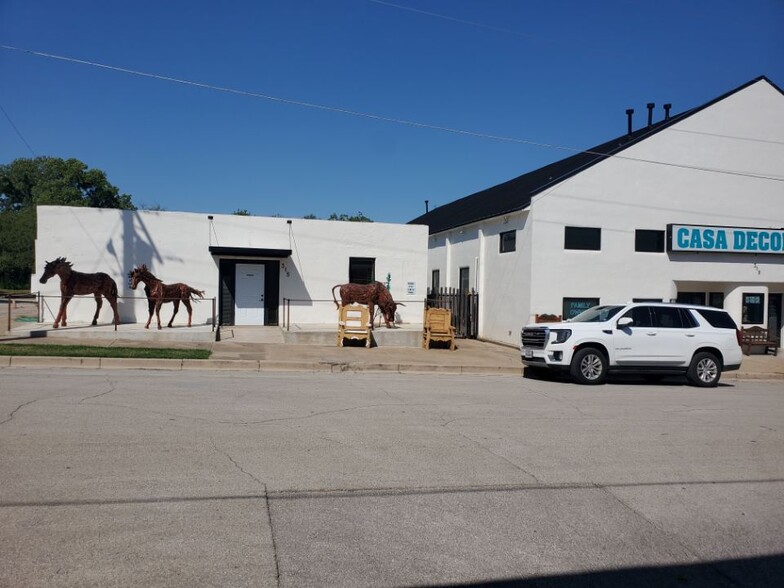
[437, 326]
[354, 323]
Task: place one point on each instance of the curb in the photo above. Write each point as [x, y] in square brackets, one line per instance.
[19, 361]
[253, 365]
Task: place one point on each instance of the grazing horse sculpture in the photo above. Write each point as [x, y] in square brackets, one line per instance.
[371, 294]
[157, 293]
[75, 283]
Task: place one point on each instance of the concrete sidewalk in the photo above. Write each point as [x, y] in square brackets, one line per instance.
[264, 349]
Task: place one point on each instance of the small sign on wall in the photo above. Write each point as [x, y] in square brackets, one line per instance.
[411, 288]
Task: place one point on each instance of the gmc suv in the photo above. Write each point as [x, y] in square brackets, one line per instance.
[651, 339]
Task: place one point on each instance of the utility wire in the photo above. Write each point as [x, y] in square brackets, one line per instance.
[461, 21]
[384, 118]
[18, 132]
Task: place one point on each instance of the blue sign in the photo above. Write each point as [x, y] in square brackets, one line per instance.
[711, 239]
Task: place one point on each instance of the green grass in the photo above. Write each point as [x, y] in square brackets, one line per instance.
[87, 351]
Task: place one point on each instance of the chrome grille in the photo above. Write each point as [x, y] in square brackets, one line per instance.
[535, 337]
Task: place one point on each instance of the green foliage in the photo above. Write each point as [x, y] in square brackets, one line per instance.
[28, 349]
[27, 183]
[241, 212]
[356, 218]
[310, 217]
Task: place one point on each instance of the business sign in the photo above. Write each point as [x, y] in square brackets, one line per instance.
[711, 239]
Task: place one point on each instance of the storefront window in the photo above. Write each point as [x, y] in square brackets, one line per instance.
[753, 309]
[716, 299]
[574, 306]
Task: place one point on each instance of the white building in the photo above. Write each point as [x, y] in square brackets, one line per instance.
[260, 270]
[688, 208]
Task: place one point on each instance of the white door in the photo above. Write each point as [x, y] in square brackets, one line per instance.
[249, 294]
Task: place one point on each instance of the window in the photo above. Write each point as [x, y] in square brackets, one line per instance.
[697, 298]
[361, 270]
[649, 241]
[719, 320]
[436, 281]
[753, 309]
[574, 306]
[507, 241]
[585, 238]
[672, 318]
[464, 279]
[641, 315]
[716, 299]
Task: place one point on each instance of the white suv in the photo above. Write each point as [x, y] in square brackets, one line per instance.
[651, 339]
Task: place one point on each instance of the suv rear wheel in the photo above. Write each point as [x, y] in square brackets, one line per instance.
[589, 366]
[705, 370]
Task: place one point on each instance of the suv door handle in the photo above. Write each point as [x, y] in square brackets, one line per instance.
[651, 334]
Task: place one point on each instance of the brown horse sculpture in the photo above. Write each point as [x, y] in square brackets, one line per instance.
[158, 293]
[76, 283]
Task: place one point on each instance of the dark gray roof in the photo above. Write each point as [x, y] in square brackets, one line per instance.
[516, 194]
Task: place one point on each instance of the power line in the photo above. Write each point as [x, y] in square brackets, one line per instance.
[382, 118]
[460, 21]
[18, 132]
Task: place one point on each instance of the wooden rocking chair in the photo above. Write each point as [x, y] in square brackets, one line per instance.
[354, 323]
[437, 326]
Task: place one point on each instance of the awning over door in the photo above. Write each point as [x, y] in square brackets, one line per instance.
[249, 252]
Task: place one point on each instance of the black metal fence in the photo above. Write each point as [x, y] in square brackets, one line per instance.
[464, 305]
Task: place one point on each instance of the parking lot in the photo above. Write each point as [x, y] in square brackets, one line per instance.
[165, 478]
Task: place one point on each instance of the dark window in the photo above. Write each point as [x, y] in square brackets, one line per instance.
[508, 241]
[464, 279]
[574, 306]
[691, 298]
[361, 270]
[753, 309]
[585, 238]
[718, 319]
[436, 282]
[649, 241]
[716, 299]
[667, 317]
[641, 315]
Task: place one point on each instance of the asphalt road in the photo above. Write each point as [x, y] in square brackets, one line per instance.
[147, 478]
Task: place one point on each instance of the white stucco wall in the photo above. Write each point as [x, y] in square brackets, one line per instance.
[175, 247]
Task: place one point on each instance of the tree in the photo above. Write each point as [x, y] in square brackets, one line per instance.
[241, 212]
[357, 218]
[27, 183]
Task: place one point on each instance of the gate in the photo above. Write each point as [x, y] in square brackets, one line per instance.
[464, 305]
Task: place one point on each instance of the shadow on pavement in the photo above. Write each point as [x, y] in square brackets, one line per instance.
[757, 572]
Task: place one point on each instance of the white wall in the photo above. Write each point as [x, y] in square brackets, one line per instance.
[621, 195]
[743, 134]
[175, 247]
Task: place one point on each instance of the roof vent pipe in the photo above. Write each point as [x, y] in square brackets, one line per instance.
[667, 111]
[629, 113]
[651, 106]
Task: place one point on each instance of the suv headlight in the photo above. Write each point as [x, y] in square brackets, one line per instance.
[560, 335]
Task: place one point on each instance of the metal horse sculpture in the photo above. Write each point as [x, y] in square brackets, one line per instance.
[76, 283]
[157, 293]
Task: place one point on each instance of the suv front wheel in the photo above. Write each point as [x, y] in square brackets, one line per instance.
[705, 370]
[589, 366]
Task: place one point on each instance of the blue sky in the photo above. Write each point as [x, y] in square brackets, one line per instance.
[555, 72]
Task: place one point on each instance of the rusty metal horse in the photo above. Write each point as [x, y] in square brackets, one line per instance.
[158, 293]
[76, 283]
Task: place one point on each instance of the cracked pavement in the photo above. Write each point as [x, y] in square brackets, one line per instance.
[245, 479]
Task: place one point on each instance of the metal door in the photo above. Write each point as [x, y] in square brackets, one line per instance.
[249, 294]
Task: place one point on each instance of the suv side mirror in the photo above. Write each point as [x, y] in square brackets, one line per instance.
[624, 322]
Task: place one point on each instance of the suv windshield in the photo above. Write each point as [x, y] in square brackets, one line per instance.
[597, 314]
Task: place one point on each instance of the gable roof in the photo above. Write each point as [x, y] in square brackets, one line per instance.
[516, 194]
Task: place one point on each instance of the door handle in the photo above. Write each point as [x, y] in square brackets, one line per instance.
[651, 334]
